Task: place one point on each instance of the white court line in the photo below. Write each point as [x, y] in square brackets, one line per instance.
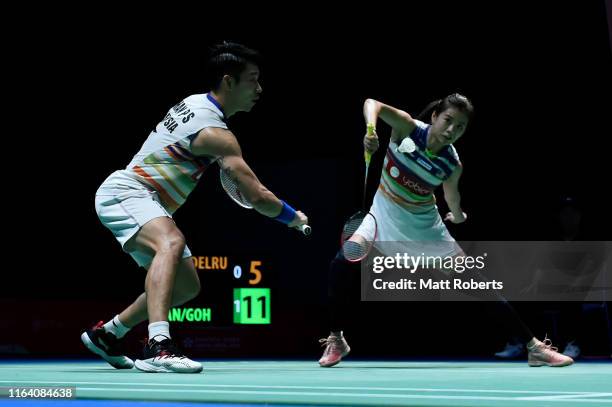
[288, 387]
[359, 395]
[565, 396]
[472, 371]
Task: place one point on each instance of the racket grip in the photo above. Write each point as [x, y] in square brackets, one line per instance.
[305, 229]
[370, 133]
[371, 129]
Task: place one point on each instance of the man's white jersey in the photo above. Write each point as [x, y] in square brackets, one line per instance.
[165, 163]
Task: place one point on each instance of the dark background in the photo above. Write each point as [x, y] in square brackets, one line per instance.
[540, 82]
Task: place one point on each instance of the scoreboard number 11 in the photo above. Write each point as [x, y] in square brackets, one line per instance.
[251, 305]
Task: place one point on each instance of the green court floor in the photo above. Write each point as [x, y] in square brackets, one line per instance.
[358, 383]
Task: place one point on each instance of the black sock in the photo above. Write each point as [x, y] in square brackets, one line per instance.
[340, 277]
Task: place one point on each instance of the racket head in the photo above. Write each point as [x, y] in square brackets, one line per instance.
[232, 190]
[358, 236]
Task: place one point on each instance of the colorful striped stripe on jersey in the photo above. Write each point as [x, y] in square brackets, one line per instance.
[409, 179]
[173, 172]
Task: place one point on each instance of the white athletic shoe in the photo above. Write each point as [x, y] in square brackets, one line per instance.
[165, 357]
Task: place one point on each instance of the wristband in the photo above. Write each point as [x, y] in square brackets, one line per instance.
[286, 215]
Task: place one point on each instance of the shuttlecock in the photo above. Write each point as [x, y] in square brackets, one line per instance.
[407, 146]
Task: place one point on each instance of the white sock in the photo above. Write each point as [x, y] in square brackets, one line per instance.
[159, 330]
[115, 327]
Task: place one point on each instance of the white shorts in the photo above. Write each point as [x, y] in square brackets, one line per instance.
[125, 212]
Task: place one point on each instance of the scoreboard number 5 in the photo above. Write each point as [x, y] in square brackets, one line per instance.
[256, 272]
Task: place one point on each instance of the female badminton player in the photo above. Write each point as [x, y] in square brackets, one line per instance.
[420, 158]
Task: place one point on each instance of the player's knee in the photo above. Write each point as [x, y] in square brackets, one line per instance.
[173, 244]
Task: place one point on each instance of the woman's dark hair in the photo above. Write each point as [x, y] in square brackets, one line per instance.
[455, 100]
[229, 58]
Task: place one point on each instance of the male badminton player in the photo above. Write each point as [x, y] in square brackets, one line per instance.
[137, 204]
[420, 158]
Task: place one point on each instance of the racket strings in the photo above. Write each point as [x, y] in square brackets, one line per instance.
[351, 226]
[355, 250]
[231, 188]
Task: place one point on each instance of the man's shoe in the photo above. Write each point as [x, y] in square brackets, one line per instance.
[107, 346]
[165, 357]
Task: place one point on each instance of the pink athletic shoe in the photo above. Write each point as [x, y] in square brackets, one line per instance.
[544, 354]
[335, 349]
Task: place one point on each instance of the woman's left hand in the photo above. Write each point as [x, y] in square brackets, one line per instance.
[452, 218]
